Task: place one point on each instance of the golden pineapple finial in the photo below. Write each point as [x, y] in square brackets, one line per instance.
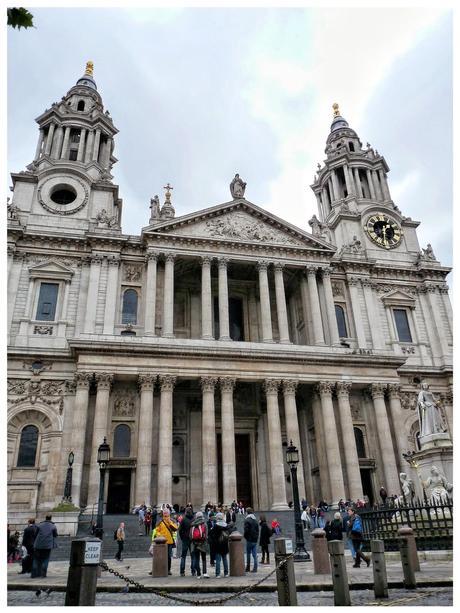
[89, 68]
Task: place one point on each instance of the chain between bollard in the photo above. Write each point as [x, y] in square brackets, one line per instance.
[210, 601]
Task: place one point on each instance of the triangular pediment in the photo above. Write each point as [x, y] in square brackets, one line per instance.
[398, 296]
[50, 268]
[239, 221]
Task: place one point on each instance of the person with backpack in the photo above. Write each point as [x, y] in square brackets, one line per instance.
[198, 545]
[356, 534]
[264, 540]
[251, 534]
[184, 534]
[119, 536]
[167, 528]
[219, 538]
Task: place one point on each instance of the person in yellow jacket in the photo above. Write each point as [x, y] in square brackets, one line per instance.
[167, 528]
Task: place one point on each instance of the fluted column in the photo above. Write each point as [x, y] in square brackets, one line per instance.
[97, 140]
[39, 144]
[335, 184]
[384, 184]
[330, 307]
[224, 327]
[80, 416]
[208, 440]
[355, 486]
[49, 139]
[111, 295]
[57, 143]
[144, 444]
[89, 146]
[167, 383]
[382, 425]
[318, 334]
[150, 294]
[65, 144]
[371, 184]
[353, 284]
[378, 190]
[281, 310]
[359, 187]
[168, 297]
[227, 385]
[206, 298]
[373, 315]
[348, 180]
[331, 441]
[292, 428]
[396, 411]
[100, 431]
[275, 448]
[93, 290]
[81, 144]
[265, 308]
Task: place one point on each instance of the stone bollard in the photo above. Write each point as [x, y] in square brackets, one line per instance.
[379, 569]
[160, 557]
[285, 575]
[236, 554]
[339, 574]
[321, 561]
[407, 563]
[85, 555]
[409, 534]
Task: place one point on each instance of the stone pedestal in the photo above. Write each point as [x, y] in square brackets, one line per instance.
[436, 450]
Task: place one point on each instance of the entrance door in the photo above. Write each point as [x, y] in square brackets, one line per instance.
[118, 497]
[243, 469]
[366, 481]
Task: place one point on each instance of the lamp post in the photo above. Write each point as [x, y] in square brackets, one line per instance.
[292, 458]
[103, 457]
[68, 480]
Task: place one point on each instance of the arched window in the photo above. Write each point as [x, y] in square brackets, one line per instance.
[28, 446]
[359, 440]
[122, 441]
[129, 311]
[341, 321]
[81, 105]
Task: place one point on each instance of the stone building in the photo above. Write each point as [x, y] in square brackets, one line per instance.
[203, 345]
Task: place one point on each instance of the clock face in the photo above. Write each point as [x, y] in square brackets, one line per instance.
[383, 231]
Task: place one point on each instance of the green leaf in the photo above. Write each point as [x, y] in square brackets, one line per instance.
[20, 18]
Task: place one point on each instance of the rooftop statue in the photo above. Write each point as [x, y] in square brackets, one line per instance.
[237, 187]
[428, 412]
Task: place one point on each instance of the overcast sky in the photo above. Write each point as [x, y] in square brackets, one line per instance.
[200, 94]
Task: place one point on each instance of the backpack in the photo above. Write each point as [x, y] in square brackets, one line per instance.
[115, 535]
[223, 537]
[198, 533]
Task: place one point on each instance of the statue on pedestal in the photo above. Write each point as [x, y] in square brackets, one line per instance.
[408, 490]
[429, 415]
[237, 187]
[438, 486]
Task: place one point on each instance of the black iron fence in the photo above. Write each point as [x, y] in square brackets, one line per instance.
[431, 521]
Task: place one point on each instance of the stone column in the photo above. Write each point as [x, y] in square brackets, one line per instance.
[387, 454]
[14, 273]
[348, 181]
[318, 334]
[353, 283]
[359, 187]
[331, 190]
[371, 184]
[372, 313]
[49, 139]
[224, 329]
[65, 144]
[320, 446]
[93, 290]
[150, 294]
[39, 144]
[111, 295]
[330, 306]
[331, 442]
[167, 383]
[80, 416]
[208, 440]
[144, 444]
[327, 204]
[335, 184]
[97, 140]
[433, 300]
[308, 325]
[355, 487]
[100, 431]
[89, 146]
[81, 144]
[275, 448]
[384, 184]
[57, 144]
[265, 308]
[292, 429]
[65, 301]
[227, 385]
[378, 189]
[168, 297]
[281, 304]
[396, 411]
[206, 298]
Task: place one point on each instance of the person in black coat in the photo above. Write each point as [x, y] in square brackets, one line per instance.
[45, 541]
[28, 539]
[334, 528]
[264, 539]
[184, 534]
[218, 536]
[251, 534]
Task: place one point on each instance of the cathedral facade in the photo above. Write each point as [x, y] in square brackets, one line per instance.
[201, 347]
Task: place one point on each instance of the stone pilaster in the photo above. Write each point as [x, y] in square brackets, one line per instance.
[81, 145]
[330, 307]
[359, 187]
[292, 428]
[394, 395]
[227, 385]
[49, 139]
[57, 143]
[97, 140]
[100, 431]
[150, 294]
[208, 440]
[168, 297]
[111, 295]
[167, 383]
[93, 290]
[318, 334]
[387, 454]
[224, 328]
[371, 184]
[355, 488]
[275, 449]
[206, 298]
[265, 308]
[353, 286]
[89, 146]
[80, 416]
[281, 304]
[144, 445]
[374, 322]
[65, 144]
[39, 144]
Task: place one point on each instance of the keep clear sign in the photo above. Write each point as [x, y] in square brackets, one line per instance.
[288, 546]
[92, 552]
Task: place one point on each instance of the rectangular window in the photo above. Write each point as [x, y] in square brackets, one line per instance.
[73, 155]
[47, 301]
[402, 325]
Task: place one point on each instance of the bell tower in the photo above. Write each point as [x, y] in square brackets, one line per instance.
[69, 184]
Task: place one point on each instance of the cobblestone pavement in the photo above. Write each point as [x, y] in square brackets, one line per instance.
[420, 597]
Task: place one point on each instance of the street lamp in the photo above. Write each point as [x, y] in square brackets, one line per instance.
[103, 457]
[292, 458]
[68, 480]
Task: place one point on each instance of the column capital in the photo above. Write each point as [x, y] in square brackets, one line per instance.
[262, 265]
[279, 266]
[170, 257]
[151, 256]
[83, 379]
[113, 260]
[167, 383]
[311, 270]
[227, 384]
[343, 388]
[325, 388]
[222, 262]
[95, 258]
[208, 384]
[394, 390]
[377, 390]
[206, 260]
[326, 273]
[271, 386]
[104, 380]
[290, 386]
[354, 281]
[146, 382]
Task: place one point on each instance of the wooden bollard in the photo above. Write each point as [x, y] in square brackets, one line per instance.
[339, 574]
[285, 575]
[160, 557]
[321, 560]
[236, 554]
[412, 545]
[407, 564]
[81, 588]
[379, 569]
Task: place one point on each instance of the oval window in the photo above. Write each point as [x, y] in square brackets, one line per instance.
[63, 194]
